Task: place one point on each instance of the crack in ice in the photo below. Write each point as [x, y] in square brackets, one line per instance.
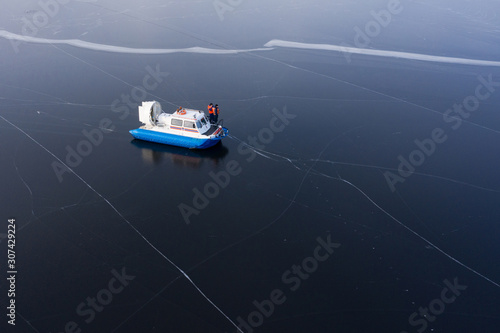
[412, 173]
[128, 222]
[311, 168]
[377, 92]
[419, 236]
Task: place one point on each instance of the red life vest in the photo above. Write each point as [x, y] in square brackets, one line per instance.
[216, 111]
[210, 109]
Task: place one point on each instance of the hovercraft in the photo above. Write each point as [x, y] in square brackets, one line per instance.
[187, 128]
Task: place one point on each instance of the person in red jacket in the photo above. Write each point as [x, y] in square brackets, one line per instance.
[211, 114]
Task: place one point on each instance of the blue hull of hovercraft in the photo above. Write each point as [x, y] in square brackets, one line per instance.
[175, 140]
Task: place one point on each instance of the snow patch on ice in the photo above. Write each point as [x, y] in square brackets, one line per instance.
[120, 49]
[381, 53]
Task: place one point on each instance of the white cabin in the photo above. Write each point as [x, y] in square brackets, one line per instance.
[188, 122]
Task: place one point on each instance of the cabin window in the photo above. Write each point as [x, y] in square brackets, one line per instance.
[203, 121]
[176, 122]
[198, 124]
[189, 124]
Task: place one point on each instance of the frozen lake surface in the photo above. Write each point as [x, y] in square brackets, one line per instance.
[358, 190]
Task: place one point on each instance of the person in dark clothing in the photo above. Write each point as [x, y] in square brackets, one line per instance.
[216, 113]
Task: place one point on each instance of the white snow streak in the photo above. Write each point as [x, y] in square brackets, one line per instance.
[120, 49]
[381, 53]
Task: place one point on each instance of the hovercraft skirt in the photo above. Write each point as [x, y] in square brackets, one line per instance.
[174, 140]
